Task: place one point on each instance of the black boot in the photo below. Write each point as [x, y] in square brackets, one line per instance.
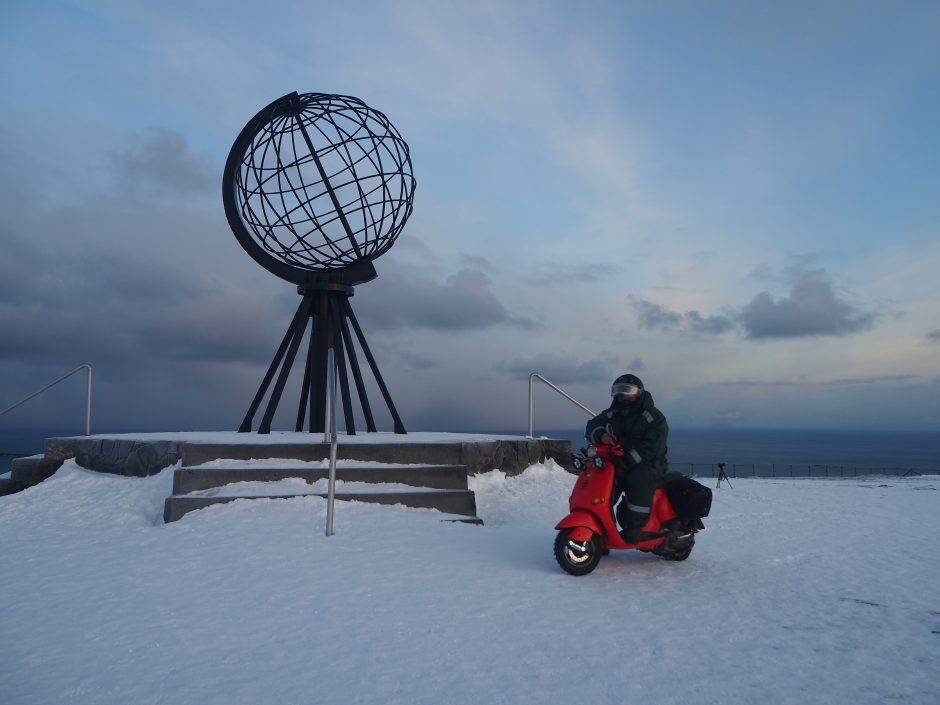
[637, 535]
[633, 523]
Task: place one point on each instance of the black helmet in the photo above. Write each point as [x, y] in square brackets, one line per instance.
[628, 385]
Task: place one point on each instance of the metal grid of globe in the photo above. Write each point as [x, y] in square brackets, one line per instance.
[316, 187]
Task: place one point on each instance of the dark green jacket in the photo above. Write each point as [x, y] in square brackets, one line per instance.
[642, 432]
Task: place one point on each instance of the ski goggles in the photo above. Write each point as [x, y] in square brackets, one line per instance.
[629, 390]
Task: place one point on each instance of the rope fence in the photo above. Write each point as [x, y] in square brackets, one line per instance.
[734, 470]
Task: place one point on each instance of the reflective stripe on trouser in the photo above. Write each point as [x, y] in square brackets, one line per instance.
[633, 520]
[641, 482]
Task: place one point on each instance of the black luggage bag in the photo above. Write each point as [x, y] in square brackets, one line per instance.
[690, 499]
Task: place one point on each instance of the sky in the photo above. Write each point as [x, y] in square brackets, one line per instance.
[737, 201]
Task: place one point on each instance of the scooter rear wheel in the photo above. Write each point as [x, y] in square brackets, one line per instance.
[576, 557]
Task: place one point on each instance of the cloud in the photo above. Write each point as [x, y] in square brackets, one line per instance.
[411, 299]
[561, 369]
[879, 379]
[160, 163]
[803, 382]
[934, 336]
[654, 316]
[708, 325]
[20, 264]
[128, 282]
[636, 365]
[811, 309]
[106, 305]
[416, 361]
[568, 273]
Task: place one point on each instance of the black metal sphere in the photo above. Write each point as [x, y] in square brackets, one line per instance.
[317, 183]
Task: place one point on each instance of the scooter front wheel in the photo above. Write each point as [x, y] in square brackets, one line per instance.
[576, 557]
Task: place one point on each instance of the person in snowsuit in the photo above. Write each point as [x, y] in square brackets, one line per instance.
[633, 421]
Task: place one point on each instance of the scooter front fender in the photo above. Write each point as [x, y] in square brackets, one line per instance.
[583, 524]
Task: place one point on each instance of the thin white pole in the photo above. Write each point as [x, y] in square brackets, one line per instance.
[88, 404]
[331, 424]
[329, 396]
[536, 376]
[54, 382]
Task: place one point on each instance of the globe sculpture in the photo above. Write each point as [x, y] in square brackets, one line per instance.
[316, 186]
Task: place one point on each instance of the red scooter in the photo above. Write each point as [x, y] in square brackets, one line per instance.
[590, 530]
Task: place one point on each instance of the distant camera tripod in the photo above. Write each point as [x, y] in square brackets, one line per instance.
[722, 475]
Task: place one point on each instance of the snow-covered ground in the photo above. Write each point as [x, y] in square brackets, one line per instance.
[799, 591]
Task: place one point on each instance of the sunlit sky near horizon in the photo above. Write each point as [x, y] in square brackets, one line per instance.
[738, 201]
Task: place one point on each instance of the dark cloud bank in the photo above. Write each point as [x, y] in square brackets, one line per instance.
[410, 298]
[146, 282]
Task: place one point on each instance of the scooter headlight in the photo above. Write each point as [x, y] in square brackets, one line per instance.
[599, 462]
[590, 451]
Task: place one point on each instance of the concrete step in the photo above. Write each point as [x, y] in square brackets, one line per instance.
[453, 477]
[193, 454]
[31, 470]
[459, 502]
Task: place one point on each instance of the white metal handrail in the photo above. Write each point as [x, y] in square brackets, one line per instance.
[535, 376]
[54, 382]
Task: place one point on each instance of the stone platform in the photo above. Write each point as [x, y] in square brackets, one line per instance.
[142, 454]
[432, 467]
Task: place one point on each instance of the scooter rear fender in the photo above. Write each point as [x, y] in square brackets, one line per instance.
[583, 524]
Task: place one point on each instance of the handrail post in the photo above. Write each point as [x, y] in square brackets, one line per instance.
[536, 375]
[531, 385]
[88, 403]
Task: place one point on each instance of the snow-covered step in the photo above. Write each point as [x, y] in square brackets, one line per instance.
[440, 487]
[193, 479]
[448, 501]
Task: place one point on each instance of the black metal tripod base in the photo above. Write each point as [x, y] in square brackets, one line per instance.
[722, 475]
[327, 311]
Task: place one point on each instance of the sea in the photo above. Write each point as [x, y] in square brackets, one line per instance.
[699, 451]
[779, 452]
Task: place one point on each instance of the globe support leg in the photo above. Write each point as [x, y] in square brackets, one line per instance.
[336, 317]
[299, 322]
[399, 427]
[327, 312]
[297, 336]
